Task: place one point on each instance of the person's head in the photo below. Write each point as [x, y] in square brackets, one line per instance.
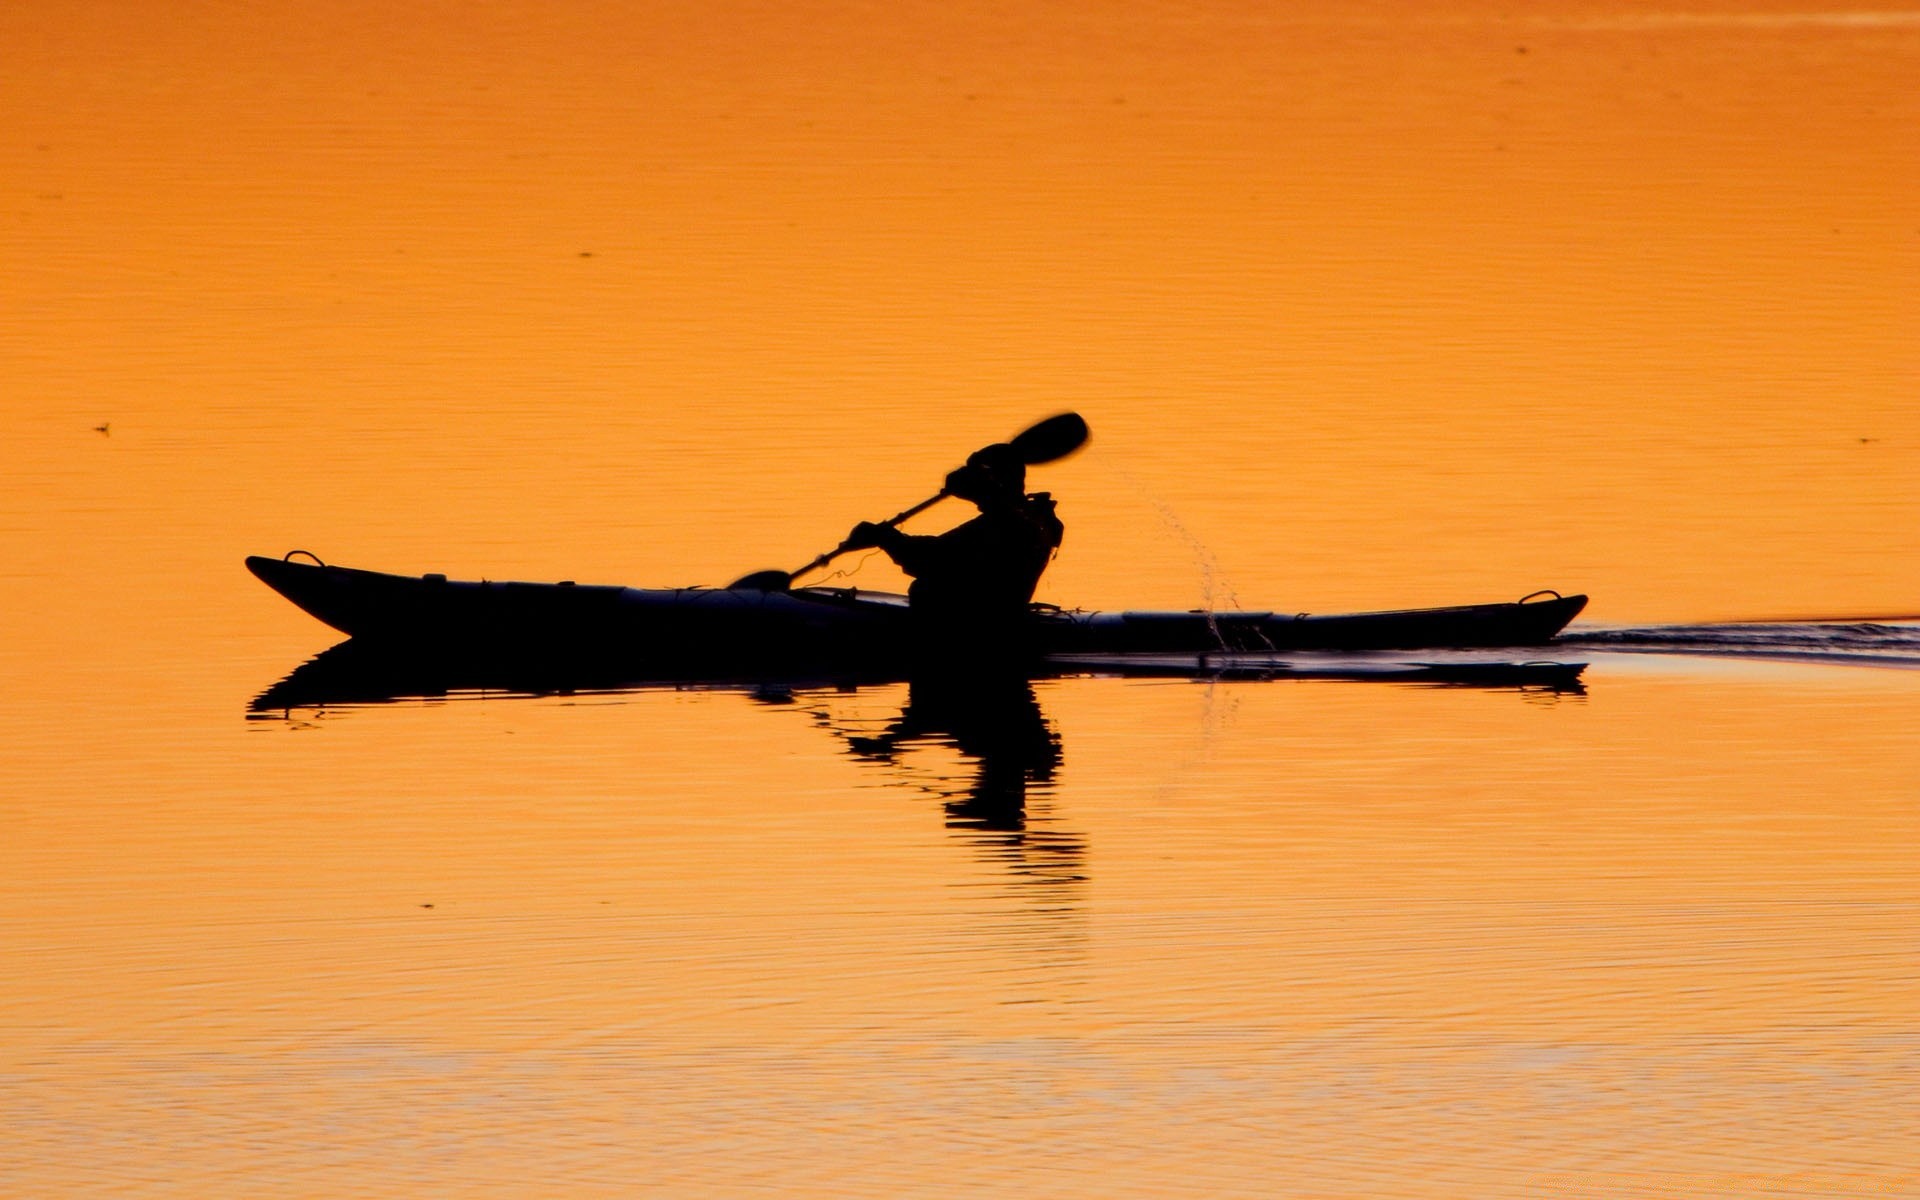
[997, 468]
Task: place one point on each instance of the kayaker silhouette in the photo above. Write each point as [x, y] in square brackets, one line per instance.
[971, 585]
[976, 580]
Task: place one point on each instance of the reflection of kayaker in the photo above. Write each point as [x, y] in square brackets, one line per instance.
[992, 718]
[976, 580]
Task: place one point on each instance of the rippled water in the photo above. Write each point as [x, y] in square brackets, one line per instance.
[1367, 938]
[1389, 307]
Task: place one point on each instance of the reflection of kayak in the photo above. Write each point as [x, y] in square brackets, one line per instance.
[357, 672]
[679, 625]
[1444, 668]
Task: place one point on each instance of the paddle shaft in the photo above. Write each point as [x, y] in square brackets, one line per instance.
[890, 522]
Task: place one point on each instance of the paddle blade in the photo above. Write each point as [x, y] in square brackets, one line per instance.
[1053, 438]
[763, 581]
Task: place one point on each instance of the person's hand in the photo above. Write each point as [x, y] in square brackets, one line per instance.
[866, 535]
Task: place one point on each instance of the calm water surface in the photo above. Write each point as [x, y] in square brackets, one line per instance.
[1409, 305]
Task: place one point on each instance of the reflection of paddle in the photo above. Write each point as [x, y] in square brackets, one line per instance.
[1051, 439]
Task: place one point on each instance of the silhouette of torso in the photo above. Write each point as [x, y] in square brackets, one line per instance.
[978, 578]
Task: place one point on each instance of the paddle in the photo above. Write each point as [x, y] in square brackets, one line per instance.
[1045, 442]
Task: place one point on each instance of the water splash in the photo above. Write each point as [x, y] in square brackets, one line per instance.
[1214, 588]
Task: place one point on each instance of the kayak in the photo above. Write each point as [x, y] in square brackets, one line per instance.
[821, 624]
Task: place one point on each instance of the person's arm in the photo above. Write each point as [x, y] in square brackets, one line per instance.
[913, 553]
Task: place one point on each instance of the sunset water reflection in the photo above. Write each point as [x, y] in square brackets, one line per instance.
[1377, 305]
